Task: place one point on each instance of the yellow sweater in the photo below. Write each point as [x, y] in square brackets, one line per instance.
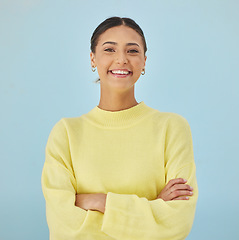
[130, 155]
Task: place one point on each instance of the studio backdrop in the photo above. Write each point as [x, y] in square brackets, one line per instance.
[45, 74]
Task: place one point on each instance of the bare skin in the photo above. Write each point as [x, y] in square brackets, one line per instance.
[121, 48]
[176, 189]
[91, 201]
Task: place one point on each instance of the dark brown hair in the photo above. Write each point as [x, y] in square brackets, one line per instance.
[114, 22]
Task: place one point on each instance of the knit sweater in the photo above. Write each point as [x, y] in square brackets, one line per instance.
[130, 155]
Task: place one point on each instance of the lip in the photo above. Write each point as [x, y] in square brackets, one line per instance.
[120, 69]
[120, 75]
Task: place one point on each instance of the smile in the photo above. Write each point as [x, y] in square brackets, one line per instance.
[120, 72]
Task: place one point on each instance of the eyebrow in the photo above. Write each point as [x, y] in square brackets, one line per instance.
[127, 44]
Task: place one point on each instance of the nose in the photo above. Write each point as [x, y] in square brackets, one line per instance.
[121, 58]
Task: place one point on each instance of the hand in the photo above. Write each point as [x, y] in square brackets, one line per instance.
[91, 201]
[176, 189]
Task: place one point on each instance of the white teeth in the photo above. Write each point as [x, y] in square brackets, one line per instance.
[120, 72]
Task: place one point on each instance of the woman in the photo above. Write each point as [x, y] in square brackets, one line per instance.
[123, 170]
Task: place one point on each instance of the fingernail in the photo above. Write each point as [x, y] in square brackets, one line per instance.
[191, 188]
[185, 180]
[187, 197]
[190, 193]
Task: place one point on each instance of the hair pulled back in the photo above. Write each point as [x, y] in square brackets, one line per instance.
[114, 22]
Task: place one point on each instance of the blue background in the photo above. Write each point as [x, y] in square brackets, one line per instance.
[45, 74]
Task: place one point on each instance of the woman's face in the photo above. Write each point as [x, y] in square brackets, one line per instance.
[119, 57]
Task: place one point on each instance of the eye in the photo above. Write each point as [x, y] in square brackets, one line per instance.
[109, 50]
[133, 51]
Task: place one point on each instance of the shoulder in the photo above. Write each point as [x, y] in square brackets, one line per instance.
[68, 122]
[64, 126]
[177, 120]
[176, 126]
[170, 119]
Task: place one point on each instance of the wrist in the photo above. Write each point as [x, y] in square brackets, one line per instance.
[92, 202]
[100, 203]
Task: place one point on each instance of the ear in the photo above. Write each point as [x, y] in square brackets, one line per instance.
[92, 59]
[145, 58]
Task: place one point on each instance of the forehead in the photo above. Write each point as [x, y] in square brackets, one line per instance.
[120, 34]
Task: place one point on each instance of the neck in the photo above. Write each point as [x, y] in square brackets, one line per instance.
[116, 101]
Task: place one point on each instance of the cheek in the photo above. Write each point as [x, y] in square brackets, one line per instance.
[103, 63]
[138, 63]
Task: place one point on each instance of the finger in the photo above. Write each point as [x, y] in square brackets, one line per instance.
[181, 198]
[180, 193]
[181, 187]
[175, 181]
[171, 194]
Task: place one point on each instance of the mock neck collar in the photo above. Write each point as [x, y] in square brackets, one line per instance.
[118, 119]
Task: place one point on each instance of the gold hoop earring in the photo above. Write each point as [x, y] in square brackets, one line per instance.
[143, 72]
[93, 69]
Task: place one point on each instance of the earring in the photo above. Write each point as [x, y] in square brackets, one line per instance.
[143, 72]
[93, 69]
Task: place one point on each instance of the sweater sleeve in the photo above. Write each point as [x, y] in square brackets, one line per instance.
[130, 217]
[59, 188]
